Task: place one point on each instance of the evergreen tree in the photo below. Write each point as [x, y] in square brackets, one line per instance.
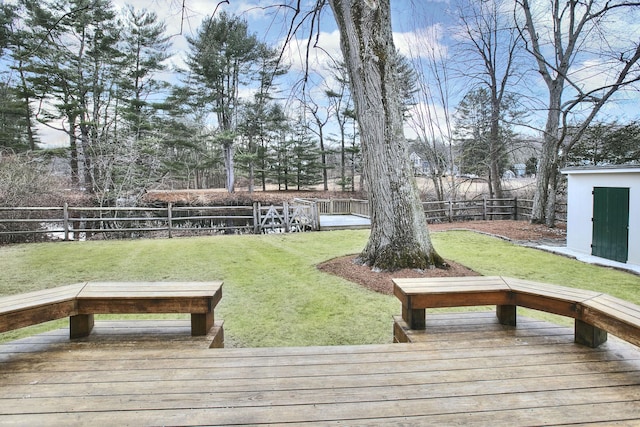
[605, 144]
[223, 57]
[279, 155]
[13, 121]
[147, 47]
[21, 45]
[258, 119]
[74, 70]
[477, 147]
[304, 163]
[7, 16]
[190, 158]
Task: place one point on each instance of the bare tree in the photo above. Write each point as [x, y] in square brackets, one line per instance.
[558, 39]
[340, 100]
[493, 43]
[430, 117]
[399, 236]
[320, 122]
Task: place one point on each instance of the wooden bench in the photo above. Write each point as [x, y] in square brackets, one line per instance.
[595, 313]
[81, 301]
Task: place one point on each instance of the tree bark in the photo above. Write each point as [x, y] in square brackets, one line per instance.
[399, 236]
[229, 167]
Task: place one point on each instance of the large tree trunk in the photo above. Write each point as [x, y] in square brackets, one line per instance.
[495, 146]
[229, 168]
[544, 200]
[399, 236]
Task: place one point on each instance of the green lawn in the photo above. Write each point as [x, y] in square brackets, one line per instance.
[273, 295]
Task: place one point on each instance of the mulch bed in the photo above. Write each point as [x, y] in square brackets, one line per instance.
[380, 281]
[516, 231]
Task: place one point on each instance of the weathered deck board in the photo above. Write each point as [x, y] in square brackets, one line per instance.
[533, 374]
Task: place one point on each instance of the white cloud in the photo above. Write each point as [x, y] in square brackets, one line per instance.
[426, 42]
[302, 56]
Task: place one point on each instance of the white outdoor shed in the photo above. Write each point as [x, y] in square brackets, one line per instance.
[603, 212]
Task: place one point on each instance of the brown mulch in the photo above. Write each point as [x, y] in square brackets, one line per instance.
[516, 231]
[380, 281]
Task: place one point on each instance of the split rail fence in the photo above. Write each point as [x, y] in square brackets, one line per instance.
[449, 211]
[22, 224]
[80, 223]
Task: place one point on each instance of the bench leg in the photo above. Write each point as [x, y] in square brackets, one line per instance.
[201, 323]
[506, 314]
[589, 335]
[415, 318]
[80, 325]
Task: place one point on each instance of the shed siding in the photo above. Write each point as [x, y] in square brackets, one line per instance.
[580, 208]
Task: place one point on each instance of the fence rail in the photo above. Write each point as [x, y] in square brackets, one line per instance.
[20, 224]
[77, 223]
[449, 210]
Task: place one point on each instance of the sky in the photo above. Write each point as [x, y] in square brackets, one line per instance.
[270, 24]
[420, 27]
[411, 19]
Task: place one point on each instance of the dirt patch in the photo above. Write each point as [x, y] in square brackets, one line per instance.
[517, 231]
[520, 232]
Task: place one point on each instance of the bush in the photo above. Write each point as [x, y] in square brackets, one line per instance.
[25, 180]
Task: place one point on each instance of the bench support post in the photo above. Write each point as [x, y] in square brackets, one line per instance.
[201, 323]
[415, 317]
[506, 314]
[80, 325]
[589, 335]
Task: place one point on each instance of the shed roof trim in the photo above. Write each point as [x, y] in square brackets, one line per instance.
[601, 169]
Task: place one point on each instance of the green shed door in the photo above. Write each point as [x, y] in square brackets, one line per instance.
[610, 223]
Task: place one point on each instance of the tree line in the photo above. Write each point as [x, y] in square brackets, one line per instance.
[101, 77]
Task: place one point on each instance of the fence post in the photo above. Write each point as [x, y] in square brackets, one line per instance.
[169, 218]
[65, 220]
[484, 208]
[316, 216]
[258, 218]
[515, 208]
[285, 213]
[450, 210]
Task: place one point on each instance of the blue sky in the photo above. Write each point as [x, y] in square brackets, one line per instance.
[416, 24]
[420, 27]
[270, 24]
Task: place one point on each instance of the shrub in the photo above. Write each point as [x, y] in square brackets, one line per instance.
[26, 180]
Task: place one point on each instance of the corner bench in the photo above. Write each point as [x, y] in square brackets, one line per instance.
[595, 313]
[81, 301]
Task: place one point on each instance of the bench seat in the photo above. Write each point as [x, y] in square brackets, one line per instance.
[619, 317]
[81, 301]
[31, 308]
[595, 313]
[197, 298]
[417, 294]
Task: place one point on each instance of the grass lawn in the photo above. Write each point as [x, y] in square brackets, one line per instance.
[273, 295]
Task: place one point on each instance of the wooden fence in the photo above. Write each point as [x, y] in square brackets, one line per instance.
[78, 223]
[23, 224]
[448, 211]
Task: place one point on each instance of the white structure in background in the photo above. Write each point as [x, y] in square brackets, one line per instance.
[603, 218]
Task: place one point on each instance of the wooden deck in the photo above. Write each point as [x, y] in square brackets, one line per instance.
[470, 370]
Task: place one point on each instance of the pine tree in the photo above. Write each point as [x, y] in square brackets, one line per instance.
[223, 57]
